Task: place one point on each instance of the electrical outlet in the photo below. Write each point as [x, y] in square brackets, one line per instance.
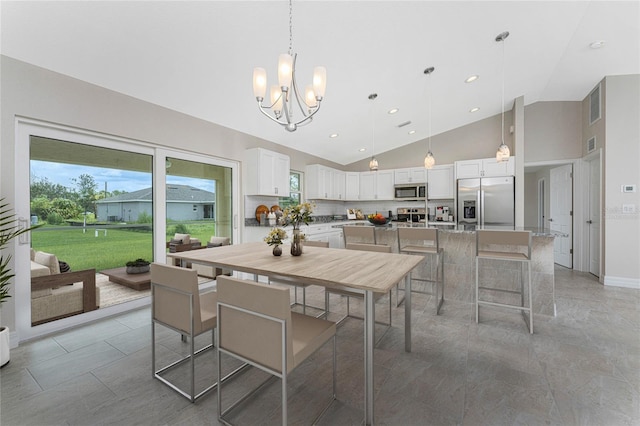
[628, 208]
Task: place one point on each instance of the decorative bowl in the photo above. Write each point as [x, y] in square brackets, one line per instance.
[378, 220]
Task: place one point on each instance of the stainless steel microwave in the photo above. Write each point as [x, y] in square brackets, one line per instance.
[410, 192]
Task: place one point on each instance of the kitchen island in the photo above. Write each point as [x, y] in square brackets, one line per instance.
[459, 244]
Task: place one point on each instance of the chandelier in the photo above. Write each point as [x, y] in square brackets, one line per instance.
[286, 98]
[503, 152]
[429, 160]
[373, 164]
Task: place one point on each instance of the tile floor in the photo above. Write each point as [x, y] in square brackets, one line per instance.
[581, 367]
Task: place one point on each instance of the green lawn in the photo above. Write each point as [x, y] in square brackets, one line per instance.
[85, 250]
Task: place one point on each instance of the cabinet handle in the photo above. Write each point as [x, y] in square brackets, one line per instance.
[589, 222]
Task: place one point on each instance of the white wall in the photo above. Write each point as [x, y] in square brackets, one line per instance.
[622, 165]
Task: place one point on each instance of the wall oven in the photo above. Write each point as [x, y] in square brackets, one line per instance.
[410, 192]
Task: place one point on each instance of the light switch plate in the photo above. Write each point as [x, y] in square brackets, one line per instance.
[628, 188]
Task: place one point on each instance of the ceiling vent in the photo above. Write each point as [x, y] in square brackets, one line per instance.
[406, 123]
[594, 105]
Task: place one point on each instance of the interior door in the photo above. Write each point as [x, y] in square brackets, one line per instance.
[593, 221]
[560, 209]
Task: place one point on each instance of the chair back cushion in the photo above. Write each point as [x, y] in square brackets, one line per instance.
[219, 241]
[186, 238]
[427, 237]
[252, 336]
[171, 298]
[359, 234]
[49, 260]
[498, 241]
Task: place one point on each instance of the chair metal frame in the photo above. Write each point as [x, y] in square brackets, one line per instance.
[282, 375]
[512, 238]
[425, 235]
[192, 352]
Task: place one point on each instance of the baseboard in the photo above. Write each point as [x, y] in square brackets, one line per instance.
[622, 282]
[14, 339]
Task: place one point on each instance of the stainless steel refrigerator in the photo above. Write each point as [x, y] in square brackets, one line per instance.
[487, 202]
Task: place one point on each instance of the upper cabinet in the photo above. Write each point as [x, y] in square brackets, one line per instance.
[267, 173]
[440, 182]
[410, 175]
[352, 186]
[377, 185]
[325, 183]
[485, 167]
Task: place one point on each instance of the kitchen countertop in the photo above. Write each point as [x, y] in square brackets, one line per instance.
[454, 228]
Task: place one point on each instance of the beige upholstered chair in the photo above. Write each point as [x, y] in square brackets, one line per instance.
[365, 234]
[303, 286]
[505, 246]
[424, 242]
[256, 325]
[178, 305]
[348, 293]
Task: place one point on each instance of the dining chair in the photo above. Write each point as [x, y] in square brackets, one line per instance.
[256, 326]
[424, 242]
[176, 303]
[380, 248]
[365, 234]
[505, 246]
[303, 286]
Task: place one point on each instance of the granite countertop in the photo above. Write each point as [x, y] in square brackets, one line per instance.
[455, 228]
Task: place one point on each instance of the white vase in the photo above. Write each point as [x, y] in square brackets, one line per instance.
[5, 355]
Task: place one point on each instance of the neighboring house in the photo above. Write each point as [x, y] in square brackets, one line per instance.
[183, 203]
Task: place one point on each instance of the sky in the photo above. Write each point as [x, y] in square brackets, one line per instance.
[116, 179]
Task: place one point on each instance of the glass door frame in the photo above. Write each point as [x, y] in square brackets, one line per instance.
[25, 127]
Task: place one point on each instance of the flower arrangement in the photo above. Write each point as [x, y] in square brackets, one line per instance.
[297, 215]
[275, 237]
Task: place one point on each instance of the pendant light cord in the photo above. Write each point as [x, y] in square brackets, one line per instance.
[430, 96]
[502, 105]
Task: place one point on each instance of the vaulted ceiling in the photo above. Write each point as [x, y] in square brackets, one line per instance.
[198, 58]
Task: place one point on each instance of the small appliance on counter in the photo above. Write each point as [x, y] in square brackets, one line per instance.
[442, 214]
[411, 214]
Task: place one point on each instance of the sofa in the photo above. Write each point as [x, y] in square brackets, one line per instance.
[56, 295]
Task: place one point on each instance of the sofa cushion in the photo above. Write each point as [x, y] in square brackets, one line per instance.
[186, 238]
[38, 270]
[218, 241]
[49, 260]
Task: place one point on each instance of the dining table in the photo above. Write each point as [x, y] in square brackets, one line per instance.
[365, 272]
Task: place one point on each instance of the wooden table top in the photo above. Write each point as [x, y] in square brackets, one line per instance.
[364, 270]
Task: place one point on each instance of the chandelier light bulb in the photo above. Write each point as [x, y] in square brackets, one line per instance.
[429, 160]
[259, 83]
[276, 100]
[373, 164]
[285, 69]
[319, 82]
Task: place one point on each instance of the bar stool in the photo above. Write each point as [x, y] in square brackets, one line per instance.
[512, 246]
[359, 234]
[424, 242]
[303, 286]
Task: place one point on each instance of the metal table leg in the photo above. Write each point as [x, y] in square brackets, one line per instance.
[407, 313]
[369, 325]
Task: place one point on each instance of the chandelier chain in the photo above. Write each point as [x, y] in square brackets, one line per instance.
[290, 28]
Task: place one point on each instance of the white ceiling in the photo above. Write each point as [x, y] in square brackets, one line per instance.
[198, 58]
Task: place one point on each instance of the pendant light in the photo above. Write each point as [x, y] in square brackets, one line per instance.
[503, 152]
[373, 164]
[429, 160]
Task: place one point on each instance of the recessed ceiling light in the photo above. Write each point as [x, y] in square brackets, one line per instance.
[475, 109]
[471, 79]
[362, 150]
[597, 44]
[333, 135]
[411, 132]
[393, 110]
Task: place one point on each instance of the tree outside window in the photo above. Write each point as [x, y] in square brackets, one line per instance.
[295, 191]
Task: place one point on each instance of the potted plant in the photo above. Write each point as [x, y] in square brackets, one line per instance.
[138, 266]
[275, 238]
[8, 231]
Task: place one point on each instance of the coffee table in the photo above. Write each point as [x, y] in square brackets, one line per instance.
[134, 281]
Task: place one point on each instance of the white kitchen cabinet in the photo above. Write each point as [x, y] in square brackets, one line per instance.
[410, 175]
[377, 185]
[338, 185]
[440, 182]
[324, 232]
[267, 173]
[324, 183]
[318, 180]
[352, 186]
[484, 167]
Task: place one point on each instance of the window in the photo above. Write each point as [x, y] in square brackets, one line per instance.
[295, 190]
